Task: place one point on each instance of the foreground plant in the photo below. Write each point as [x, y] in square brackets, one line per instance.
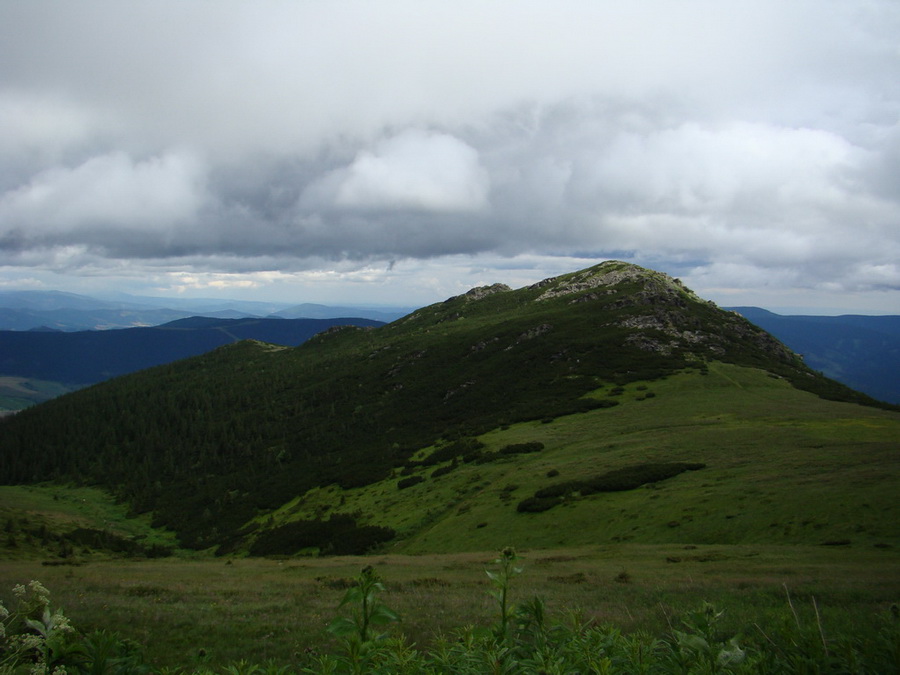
[43, 641]
[31, 633]
[367, 611]
[701, 646]
[363, 649]
[36, 640]
[500, 580]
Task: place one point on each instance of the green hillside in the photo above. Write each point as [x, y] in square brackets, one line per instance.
[611, 404]
[19, 392]
[42, 522]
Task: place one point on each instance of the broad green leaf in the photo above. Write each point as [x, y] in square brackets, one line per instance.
[342, 626]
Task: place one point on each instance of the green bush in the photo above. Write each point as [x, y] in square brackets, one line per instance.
[522, 448]
[409, 482]
[618, 480]
[339, 535]
[538, 504]
[444, 470]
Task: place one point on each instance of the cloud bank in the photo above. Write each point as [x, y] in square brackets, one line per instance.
[410, 148]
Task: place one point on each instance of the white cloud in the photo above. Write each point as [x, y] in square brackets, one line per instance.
[413, 170]
[109, 191]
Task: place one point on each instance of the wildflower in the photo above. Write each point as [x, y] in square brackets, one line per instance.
[40, 592]
[29, 641]
[60, 622]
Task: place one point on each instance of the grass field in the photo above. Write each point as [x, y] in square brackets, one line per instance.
[33, 516]
[782, 466]
[257, 609]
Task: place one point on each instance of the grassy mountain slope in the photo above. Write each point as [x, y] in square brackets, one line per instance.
[40, 522]
[220, 447]
[780, 466]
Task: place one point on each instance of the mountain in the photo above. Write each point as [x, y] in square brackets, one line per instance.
[87, 357]
[54, 300]
[313, 311]
[27, 310]
[85, 319]
[610, 404]
[56, 310]
[863, 352]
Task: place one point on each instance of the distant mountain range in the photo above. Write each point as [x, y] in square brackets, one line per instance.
[863, 352]
[57, 310]
[81, 358]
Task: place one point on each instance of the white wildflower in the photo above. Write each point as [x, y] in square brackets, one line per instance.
[61, 623]
[42, 594]
[28, 641]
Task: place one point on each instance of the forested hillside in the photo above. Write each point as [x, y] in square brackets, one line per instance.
[209, 443]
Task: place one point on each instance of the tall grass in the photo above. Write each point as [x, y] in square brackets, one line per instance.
[195, 614]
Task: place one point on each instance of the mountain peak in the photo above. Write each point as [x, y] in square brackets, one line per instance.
[603, 277]
[483, 291]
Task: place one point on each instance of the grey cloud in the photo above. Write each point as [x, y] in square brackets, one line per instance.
[758, 140]
[412, 171]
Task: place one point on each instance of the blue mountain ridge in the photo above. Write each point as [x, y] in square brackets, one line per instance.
[87, 357]
[860, 351]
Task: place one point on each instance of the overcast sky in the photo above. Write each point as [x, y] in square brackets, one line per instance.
[401, 152]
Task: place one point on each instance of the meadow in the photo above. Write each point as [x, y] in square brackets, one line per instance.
[207, 613]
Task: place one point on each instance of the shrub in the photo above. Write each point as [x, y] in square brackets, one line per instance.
[409, 482]
[559, 490]
[360, 539]
[538, 504]
[473, 457]
[458, 448]
[444, 470]
[339, 535]
[522, 448]
[627, 478]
